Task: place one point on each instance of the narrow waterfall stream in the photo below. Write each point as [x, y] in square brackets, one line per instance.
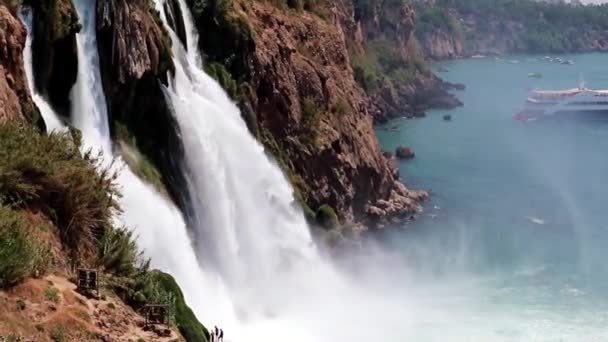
[51, 119]
[159, 225]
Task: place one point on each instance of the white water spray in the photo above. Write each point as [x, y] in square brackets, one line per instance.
[158, 224]
[49, 116]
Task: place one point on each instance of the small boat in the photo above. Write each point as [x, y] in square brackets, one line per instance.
[568, 62]
[535, 75]
[478, 56]
[536, 220]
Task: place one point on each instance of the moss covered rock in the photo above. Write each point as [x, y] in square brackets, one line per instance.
[156, 287]
[326, 217]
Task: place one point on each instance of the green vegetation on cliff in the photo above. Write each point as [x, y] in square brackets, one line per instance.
[21, 254]
[381, 61]
[545, 27]
[47, 173]
[388, 58]
[53, 194]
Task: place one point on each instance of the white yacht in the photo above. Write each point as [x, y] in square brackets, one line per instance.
[579, 101]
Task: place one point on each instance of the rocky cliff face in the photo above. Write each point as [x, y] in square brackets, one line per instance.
[54, 50]
[449, 31]
[308, 100]
[135, 59]
[16, 103]
[443, 45]
[292, 71]
[499, 39]
[388, 60]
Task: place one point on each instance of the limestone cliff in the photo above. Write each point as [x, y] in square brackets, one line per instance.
[16, 103]
[291, 73]
[135, 59]
[443, 45]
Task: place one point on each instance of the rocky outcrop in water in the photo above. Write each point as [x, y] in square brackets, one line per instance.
[404, 153]
[16, 103]
[54, 50]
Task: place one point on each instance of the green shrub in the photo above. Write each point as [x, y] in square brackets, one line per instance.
[223, 77]
[155, 287]
[326, 217]
[186, 321]
[51, 294]
[49, 172]
[341, 107]
[367, 70]
[140, 164]
[21, 255]
[57, 333]
[311, 119]
[117, 252]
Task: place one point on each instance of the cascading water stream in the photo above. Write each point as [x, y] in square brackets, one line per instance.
[51, 119]
[249, 231]
[158, 224]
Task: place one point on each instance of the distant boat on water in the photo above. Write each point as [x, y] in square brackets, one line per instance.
[573, 103]
[479, 56]
[558, 60]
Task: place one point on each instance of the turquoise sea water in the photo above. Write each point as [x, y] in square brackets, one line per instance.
[513, 245]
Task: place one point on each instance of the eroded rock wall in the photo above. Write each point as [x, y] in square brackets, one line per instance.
[135, 60]
[16, 103]
[294, 70]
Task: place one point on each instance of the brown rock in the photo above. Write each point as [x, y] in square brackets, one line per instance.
[404, 153]
[300, 59]
[16, 104]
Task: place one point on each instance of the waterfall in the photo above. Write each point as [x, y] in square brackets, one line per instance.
[160, 227]
[248, 230]
[244, 211]
[49, 116]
